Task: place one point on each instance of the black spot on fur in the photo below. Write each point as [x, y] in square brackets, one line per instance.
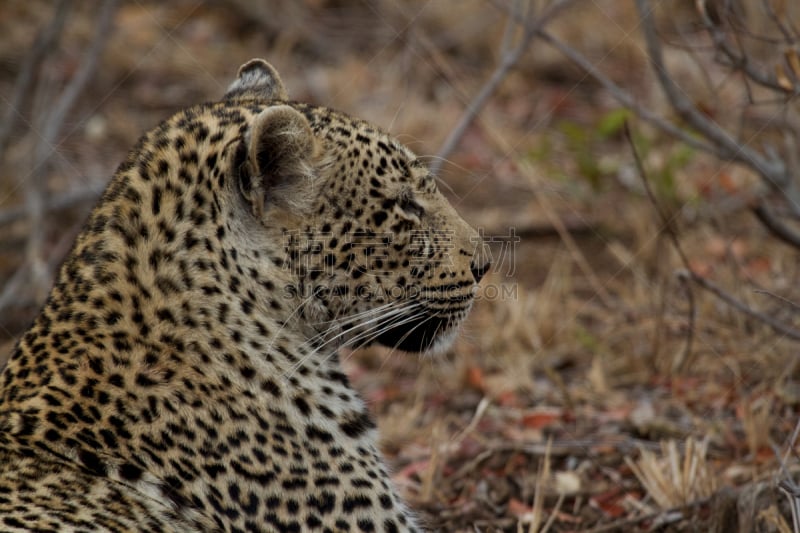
[359, 501]
[357, 424]
[130, 472]
[302, 405]
[91, 461]
[379, 217]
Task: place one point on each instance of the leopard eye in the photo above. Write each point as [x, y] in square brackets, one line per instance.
[410, 206]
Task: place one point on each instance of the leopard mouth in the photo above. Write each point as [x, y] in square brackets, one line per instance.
[430, 330]
[417, 334]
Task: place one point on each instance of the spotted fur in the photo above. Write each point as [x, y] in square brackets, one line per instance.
[183, 374]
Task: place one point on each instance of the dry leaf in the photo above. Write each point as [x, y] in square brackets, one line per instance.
[567, 482]
[783, 80]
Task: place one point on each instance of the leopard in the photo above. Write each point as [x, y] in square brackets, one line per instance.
[185, 372]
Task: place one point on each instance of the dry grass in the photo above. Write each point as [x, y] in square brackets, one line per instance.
[549, 412]
[676, 478]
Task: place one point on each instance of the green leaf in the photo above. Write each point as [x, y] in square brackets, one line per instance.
[586, 339]
[612, 123]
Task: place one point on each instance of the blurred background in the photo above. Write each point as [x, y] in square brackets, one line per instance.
[632, 363]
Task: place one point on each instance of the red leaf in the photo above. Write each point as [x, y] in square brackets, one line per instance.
[413, 469]
[517, 508]
[609, 502]
[475, 378]
[541, 418]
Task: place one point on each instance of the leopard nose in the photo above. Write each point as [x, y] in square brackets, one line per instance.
[479, 271]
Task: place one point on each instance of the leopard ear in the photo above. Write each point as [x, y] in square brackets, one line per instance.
[259, 79]
[281, 151]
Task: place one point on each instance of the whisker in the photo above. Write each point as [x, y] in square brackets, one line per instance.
[355, 316]
[393, 315]
[378, 327]
[377, 333]
[409, 332]
[394, 348]
[381, 326]
[383, 329]
[313, 340]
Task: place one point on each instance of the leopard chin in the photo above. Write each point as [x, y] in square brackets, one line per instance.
[428, 333]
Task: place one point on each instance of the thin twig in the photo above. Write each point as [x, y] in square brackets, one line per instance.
[526, 169]
[625, 98]
[714, 140]
[577, 447]
[795, 306]
[784, 471]
[668, 228]
[625, 523]
[772, 169]
[793, 494]
[476, 418]
[790, 34]
[679, 362]
[739, 60]
[507, 62]
[777, 326]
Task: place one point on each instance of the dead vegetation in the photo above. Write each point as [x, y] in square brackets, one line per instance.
[632, 364]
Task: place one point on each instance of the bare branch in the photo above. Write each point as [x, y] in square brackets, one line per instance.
[88, 65]
[624, 98]
[16, 293]
[784, 458]
[13, 286]
[789, 33]
[507, 62]
[66, 200]
[772, 169]
[794, 306]
[713, 139]
[52, 125]
[41, 46]
[740, 61]
[777, 326]
[776, 226]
